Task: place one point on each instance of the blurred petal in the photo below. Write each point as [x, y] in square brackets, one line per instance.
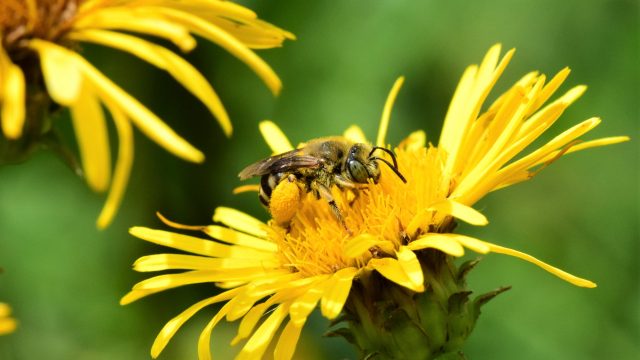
[93, 140]
[144, 119]
[122, 170]
[416, 140]
[180, 69]
[386, 112]
[274, 137]
[12, 98]
[61, 71]
[217, 35]
[125, 19]
[354, 133]
[240, 221]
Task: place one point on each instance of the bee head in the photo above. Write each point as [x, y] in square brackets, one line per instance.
[362, 166]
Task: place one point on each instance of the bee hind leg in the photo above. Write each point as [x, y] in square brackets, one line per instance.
[325, 193]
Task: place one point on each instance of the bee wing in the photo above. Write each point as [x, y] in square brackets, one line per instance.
[284, 162]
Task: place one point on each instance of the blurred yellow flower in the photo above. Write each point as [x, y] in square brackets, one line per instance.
[7, 323]
[38, 44]
[270, 273]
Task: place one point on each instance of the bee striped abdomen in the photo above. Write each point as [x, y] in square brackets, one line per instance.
[267, 184]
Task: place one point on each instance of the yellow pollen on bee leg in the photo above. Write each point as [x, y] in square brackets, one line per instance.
[284, 201]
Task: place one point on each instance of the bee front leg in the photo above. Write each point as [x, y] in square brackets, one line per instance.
[325, 193]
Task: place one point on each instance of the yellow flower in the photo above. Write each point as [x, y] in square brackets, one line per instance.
[7, 323]
[46, 32]
[281, 275]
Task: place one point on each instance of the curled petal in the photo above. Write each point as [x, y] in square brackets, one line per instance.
[392, 269]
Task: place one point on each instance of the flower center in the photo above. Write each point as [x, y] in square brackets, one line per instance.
[43, 19]
[317, 243]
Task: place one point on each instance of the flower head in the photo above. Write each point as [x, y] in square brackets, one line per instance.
[38, 50]
[7, 323]
[391, 227]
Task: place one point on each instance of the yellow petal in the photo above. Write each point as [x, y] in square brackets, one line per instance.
[442, 242]
[239, 238]
[386, 112]
[467, 101]
[123, 168]
[304, 305]
[411, 266]
[585, 145]
[5, 310]
[240, 221]
[217, 35]
[204, 341]
[246, 188]
[551, 87]
[391, 269]
[7, 323]
[171, 327]
[282, 287]
[555, 271]
[93, 140]
[562, 102]
[286, 346]
[61, 72]
[169, 281]
[354, 133]
[474, 244]
[180, 69]
[137, 294]
[274, 137]
[196, 245]
[12, 97]
[336, 292]
[249, 322]
[161, 262]
[559, 141]
[416, 140]
[460, 211]
[136, 21]
[144, 119]
[359, 245]
[257, 344]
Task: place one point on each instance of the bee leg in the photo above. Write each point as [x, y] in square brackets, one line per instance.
[343, 182]
[325, 193]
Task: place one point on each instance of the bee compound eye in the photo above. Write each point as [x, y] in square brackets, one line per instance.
[357, 171]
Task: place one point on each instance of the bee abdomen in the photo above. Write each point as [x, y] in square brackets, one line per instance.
[267, 184]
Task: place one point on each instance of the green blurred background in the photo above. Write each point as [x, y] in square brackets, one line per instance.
[64, 278]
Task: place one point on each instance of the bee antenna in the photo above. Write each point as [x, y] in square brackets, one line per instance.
[393, 156]
[394, 168]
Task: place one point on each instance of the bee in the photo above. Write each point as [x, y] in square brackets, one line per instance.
[316, 167]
